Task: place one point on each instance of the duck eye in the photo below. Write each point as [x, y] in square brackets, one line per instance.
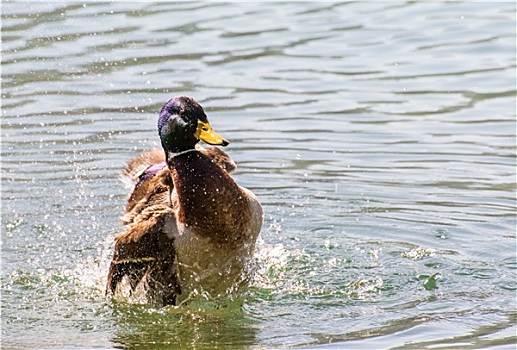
[174, 110]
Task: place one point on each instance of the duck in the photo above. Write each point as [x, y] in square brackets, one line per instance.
[189, 229]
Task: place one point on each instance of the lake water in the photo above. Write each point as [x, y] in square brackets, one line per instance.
[380, 138]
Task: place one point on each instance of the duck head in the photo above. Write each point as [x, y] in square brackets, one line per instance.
[182, 123]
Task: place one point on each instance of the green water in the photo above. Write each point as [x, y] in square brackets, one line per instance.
[380, 138]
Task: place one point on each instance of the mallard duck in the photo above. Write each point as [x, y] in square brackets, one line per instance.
[190, 230]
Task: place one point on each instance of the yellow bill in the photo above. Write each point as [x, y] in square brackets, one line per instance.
[205, 132]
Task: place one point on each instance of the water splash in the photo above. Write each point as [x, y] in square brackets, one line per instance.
[90, 274]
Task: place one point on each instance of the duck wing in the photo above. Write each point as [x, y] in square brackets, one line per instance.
[153, 188]
[143, 269]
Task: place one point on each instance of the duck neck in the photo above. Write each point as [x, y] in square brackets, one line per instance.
[170, 154]
[210, 202]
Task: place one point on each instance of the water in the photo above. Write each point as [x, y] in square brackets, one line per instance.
[380, 138]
